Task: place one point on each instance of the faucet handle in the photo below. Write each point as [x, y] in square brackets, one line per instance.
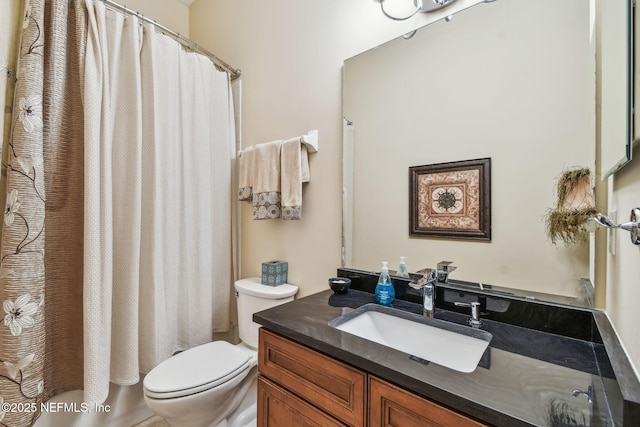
[428, 277]
[444, 269]
[474, 321]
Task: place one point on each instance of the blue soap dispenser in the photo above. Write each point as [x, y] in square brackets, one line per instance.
[385, 293]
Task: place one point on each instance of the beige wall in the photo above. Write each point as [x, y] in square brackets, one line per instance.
[170, 13]
[291, 56]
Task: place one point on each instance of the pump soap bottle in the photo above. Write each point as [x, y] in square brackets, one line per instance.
[402, 269]
[385, 293]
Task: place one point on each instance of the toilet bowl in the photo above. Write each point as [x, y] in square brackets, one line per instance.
[214, 384]
[186, 388]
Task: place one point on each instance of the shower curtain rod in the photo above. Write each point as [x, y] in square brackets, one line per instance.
[233, 72]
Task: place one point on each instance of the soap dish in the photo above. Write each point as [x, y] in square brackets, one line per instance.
[340, 285]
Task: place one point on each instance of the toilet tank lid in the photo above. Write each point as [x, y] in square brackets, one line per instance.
[253, 286]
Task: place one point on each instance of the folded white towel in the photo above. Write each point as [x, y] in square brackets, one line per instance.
[266, 180]
[294, 170]
[245, 175]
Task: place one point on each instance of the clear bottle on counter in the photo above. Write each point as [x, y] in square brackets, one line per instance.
[402, 268]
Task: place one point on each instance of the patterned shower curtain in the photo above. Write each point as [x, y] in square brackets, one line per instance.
[116, 247]
[41, 342]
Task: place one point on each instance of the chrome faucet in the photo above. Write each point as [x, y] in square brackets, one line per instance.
[474, 320]
[444, 269]
[427, 283]
[588, 394]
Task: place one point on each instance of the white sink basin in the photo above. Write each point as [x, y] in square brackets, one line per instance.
[448, 344]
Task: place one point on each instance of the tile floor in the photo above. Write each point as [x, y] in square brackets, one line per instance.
[154, 421]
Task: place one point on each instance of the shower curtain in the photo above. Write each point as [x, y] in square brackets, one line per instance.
[159, 138]
[121, 150]
[41, 343]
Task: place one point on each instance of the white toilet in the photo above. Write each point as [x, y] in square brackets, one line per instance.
[214, 384]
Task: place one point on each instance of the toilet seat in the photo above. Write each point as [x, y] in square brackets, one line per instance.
[195, 370]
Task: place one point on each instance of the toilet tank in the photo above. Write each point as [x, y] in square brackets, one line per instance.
[252, 296]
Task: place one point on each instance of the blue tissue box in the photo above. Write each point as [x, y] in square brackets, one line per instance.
[275, 273]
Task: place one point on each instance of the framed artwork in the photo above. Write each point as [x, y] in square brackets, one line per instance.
[451, 200]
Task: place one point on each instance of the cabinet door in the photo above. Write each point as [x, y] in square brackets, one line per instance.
[332, 386]
[392, 406]
[278, 408]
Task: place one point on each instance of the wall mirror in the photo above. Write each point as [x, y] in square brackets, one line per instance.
[617, 52]
[513, 81]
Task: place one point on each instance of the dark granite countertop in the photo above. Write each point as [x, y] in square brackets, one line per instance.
[526, 377]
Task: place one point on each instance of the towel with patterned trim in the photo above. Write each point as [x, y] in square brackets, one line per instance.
[266, 180]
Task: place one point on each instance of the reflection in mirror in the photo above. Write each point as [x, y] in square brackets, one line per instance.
[418, 6]
[616, 131]
[513, 81]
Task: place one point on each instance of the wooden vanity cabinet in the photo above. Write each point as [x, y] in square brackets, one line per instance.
[390, 405]
[331, 386]
[279, 407]
[298, 386]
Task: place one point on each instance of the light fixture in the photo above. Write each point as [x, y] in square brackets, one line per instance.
[420, 6]
[571, 220]
[575, 213]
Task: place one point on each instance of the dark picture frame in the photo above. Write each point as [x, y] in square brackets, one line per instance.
[451, 200]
